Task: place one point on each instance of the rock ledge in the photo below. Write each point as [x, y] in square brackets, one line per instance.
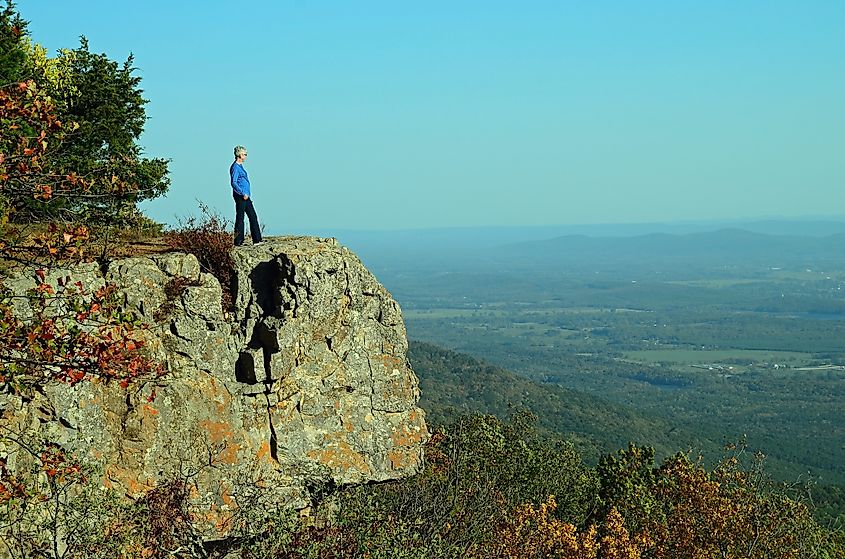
[306, 383]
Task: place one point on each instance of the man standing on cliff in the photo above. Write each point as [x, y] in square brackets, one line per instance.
[243, 199]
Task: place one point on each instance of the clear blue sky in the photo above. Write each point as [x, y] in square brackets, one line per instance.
[394, 114]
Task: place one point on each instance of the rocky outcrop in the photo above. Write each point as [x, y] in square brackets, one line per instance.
[306, 383]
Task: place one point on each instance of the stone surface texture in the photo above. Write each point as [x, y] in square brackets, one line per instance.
[304, 383]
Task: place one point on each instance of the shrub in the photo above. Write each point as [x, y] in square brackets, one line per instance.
[478, 470]
[534, 532]
[48, 505]
[686, 510]
[68, 335]
[208, 239]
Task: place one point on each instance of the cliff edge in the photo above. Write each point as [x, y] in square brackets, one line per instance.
[305, 382]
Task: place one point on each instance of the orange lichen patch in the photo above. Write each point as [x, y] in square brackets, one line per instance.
[391, 362]
[220, 432]
[402, 459]
[263, 451]
[339, 455]
[213, 516]
[137, 487]
[126, 479]
[229, 454]
[410, 433]
[148, 416]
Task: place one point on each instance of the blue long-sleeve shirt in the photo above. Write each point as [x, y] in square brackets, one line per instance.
[240, 180]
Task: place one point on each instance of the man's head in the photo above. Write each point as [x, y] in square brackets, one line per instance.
[240, 153]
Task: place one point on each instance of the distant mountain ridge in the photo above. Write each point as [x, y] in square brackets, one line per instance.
[726, 238]
[725, 247]
[462, 247]
[488, 236]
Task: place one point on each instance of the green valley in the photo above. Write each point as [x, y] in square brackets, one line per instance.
[679, 349]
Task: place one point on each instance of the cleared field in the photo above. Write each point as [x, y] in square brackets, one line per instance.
[718, 283]
[445, 313]
[688, 356]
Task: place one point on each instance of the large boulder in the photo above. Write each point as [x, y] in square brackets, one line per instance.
[305, 382]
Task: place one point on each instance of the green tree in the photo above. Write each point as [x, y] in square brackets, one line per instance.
[12, 50]
[105, 99]
[99, 104]
[627, 484]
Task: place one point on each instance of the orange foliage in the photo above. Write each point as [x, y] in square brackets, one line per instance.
[725, 513]
[533, 532]
[617, 543]
[58, 467]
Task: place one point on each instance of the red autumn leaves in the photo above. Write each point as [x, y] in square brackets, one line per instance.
[69, 335]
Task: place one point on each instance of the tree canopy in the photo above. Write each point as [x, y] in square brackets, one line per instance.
[72, 124]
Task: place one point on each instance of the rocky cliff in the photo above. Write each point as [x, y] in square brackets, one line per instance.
[305, 383]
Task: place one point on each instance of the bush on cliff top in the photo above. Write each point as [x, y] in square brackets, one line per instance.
[208, 238]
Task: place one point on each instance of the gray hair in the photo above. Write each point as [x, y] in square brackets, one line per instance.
[239, 150]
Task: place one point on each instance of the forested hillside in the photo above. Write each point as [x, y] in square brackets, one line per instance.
[453, 384]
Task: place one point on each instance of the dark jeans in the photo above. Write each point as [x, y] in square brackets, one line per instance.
[245, 206]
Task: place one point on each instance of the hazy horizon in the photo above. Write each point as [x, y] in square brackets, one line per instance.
[463, 238]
